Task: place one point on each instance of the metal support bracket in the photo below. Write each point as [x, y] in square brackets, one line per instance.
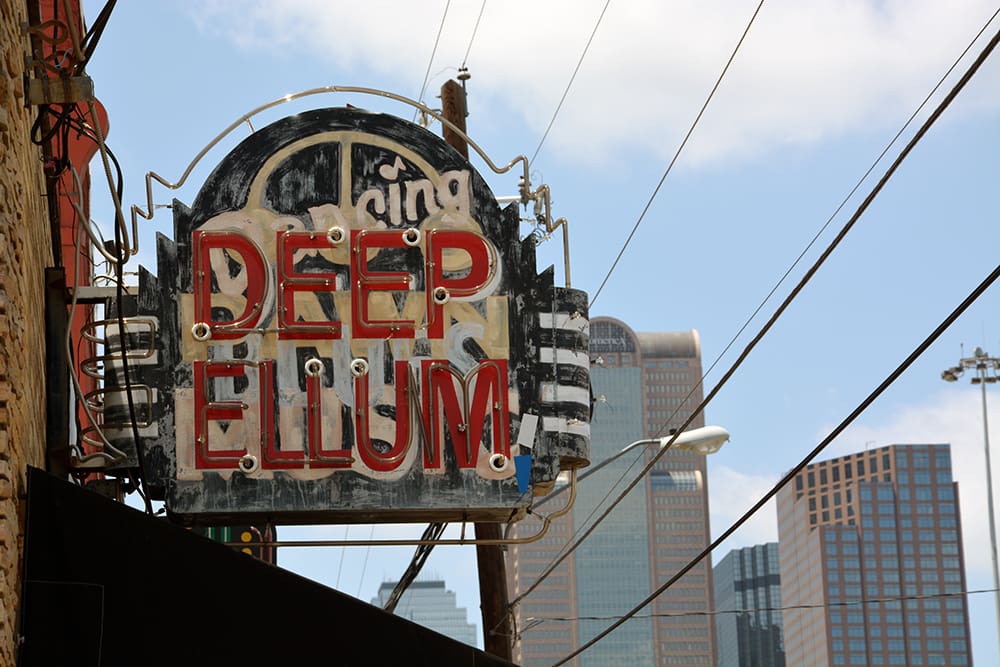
[59, 90]
[99, 294]
[461, 541]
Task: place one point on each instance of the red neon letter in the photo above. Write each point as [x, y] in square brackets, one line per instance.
[291, 281]
[364, 282]
[374, 459]
[254, 269]
[480, 270]
[206, 410]
[466, 422]
[313, 453]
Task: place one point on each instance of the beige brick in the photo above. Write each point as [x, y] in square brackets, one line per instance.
[25, 248]
[13, 60]
[18, 89]
[7, 483]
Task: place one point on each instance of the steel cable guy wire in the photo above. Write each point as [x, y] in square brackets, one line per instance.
[892, 377]
[677, 154]
[570, 84]
[427, 74]
[966, 77]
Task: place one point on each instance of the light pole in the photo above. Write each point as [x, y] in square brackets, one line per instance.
[705, 440]
[987, 372]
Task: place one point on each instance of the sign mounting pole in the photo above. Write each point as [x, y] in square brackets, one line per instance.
[490, 558]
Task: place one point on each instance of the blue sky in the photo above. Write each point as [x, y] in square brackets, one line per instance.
[814, 95]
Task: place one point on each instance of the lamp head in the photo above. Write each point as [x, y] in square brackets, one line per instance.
[706, 440]
[952, 374]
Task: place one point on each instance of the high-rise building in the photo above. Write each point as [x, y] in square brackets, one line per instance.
[870, 552]
[644, 384]
[431, 605]
[747, 582]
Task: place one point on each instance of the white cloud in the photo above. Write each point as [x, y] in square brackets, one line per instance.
[732, 493]
[806, 73]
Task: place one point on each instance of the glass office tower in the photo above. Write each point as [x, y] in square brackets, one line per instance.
[747, 581]
[870, 551]
[640, 383]
[432, 606]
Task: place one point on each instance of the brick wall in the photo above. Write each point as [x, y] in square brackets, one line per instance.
[25, 251]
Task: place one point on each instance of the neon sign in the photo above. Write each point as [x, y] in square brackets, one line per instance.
[355, 331]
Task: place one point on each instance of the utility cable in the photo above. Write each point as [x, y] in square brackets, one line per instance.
[343, 550]
[597, 506]
[475, 29]
[136, 476]
[364, 566]
[570, 84]
[552, 565]
[677, 154]
[535, 621]
[93, 35]
[115, 454]
[847, 421]
[432, 532]
[123, 341]
[966, 77]
[427, 74]
[829, 220]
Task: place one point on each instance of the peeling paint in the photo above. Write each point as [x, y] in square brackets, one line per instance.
[350, 328]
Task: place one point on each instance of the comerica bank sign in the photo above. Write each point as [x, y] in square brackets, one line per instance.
[351, 329]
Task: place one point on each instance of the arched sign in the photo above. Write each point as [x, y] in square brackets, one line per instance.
[353, 330]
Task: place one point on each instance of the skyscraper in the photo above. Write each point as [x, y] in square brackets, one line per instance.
[748, 579]
[640, 383]
[870, 551]
[432, 606]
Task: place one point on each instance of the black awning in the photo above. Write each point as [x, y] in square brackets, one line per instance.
[109, 585]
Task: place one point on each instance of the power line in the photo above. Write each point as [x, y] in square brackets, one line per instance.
[475, 29]
[535, 621]
[829, 220]
[892, 377]
[611, 488]
[590, 516]
[364, 566]
[677, 154]
[781, 308]
[343, 550]
[559, 559]
[966, 77]
[427, 74]
[571, 79]
[420, 555]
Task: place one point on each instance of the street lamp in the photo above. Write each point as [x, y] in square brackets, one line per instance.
[705, 440]
[987, 372]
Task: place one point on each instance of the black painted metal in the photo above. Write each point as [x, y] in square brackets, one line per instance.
[308, 177]
[56, 374]
[108, 585]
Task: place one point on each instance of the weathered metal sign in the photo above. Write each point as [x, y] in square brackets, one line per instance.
[353, 330]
